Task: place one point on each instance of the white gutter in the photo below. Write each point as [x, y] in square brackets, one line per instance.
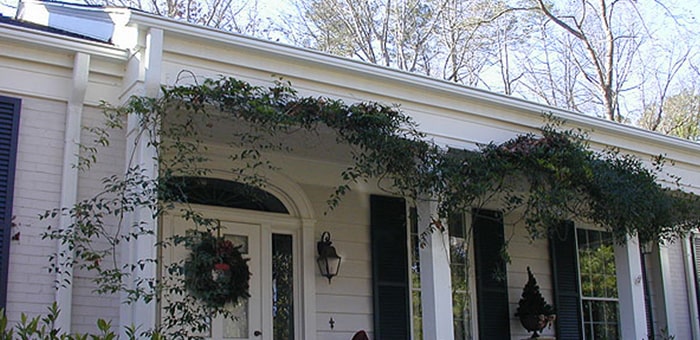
[57, 41]
[69, 185]
[691, 286]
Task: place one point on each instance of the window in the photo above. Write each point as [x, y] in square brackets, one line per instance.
[480, 307]
[459, 268]
[695, 246]
[282, 287]
[390, 268]
[598, 279]
[396, 282]
[221, 193]
[585, 283]
[490, 283]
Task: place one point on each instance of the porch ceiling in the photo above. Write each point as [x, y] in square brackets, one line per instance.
[319, 144]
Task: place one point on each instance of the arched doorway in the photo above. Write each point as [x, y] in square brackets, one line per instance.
[271, 237]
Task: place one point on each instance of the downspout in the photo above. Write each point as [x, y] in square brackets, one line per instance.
[69, 187]
[691, 286]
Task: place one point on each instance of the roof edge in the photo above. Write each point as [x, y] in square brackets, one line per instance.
[431, 84]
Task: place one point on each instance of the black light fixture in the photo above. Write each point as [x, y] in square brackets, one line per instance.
[328, 260]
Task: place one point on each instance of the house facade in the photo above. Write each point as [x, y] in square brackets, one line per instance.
[60, 61]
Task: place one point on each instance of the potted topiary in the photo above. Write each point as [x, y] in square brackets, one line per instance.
[534, 312]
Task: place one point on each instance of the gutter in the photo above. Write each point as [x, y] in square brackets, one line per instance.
[61, 42]
[385, 75]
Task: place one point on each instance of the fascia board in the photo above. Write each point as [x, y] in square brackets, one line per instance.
[385, 74]
[57, 41]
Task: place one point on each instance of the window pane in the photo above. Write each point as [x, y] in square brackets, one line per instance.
[416, 308]
[597, 264]
[459, 267]
[237, 327]
[282, 287]
[598, 284]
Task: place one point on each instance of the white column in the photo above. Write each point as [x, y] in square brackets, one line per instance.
[69, 184]
[142, 314]
[153, 62]
[435, 279]
[630, 287]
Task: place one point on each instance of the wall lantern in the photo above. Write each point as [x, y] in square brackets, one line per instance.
[328, 260]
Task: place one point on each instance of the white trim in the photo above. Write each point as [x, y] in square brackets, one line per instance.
[266, 275]
[69, 185]
[406, 79]
[630, 290]
[153, 62]
[308, 289]
[691, 285]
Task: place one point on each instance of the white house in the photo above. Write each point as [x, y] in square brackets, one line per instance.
[59, 61]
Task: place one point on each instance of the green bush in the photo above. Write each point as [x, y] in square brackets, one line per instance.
[43, 327]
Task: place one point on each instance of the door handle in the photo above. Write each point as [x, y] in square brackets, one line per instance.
[257, 333]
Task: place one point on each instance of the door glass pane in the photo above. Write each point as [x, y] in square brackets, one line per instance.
[282, 287]
[237, 326]
[239, 240]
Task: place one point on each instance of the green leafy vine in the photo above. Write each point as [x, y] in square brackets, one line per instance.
[545, 178]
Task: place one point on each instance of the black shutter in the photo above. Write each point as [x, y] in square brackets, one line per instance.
[695, 244]
[390, 268]
[9, 124]
[491, 282]
[567, 298]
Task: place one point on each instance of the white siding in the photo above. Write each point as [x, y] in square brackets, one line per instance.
[88, 306]
[677, 293]
[37, 189]
[524, 253]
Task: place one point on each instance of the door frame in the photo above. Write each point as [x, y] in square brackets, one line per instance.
[302, 232]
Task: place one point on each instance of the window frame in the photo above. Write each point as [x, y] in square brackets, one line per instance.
[583, 298]
[465, 223]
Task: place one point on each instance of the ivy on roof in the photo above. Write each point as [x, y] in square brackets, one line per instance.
[542, 178]
[546, 177]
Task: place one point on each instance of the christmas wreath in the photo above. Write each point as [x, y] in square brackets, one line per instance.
[215, 271]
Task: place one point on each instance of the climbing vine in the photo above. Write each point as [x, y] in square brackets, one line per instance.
[545, 178]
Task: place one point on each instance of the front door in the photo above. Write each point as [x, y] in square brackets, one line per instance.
[269, 310]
